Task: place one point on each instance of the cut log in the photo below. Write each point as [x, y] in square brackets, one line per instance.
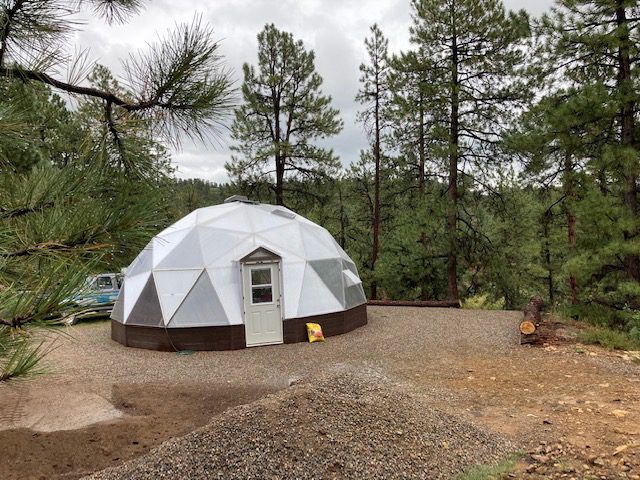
[420, 303]
[530, 324]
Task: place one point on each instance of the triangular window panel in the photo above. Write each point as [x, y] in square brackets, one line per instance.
[317, 243]
[143, 262]
[350, 278]
[209, 214]
[146, 310]
[227, 283]
[330, 272]
[236, 220]
[354, 296]
[173, 286]
[292, 275]
[288, 237]
[214, 243]
[165, 244]
[117, 313]
[315, 297]
[135, 284]
[186, 254]
[201, 307]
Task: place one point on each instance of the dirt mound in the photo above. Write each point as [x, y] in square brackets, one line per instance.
[344, 425]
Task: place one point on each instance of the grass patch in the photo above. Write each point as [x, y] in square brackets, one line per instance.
[492, 471]
[609, 338]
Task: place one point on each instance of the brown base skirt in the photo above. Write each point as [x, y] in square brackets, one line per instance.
[231, 337]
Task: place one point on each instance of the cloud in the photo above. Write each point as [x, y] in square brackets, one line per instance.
[334, 29]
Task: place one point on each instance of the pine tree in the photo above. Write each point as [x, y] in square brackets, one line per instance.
[64, 210]
[374, 96]
[283, 116]
[593, 47]
[471, 51]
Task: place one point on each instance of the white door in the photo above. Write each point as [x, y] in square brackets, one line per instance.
[262, 312]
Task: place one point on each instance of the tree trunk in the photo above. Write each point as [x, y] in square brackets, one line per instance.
[569, 191]
[279, 180]
[529, 327]
[452, 220]
[630, 195]
[343, 218]
[408, 303]
[421, 178]
[375, 227]
[421, 146]
[547, 255]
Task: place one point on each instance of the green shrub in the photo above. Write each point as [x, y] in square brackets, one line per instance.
[610, 338]
[482, 302]
[492, 471]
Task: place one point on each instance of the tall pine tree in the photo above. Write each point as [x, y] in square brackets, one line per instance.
[471, 50]
[283, 116]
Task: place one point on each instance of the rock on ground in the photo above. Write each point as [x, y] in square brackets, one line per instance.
[352, 424]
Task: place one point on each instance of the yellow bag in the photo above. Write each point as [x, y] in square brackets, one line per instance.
[314, 332]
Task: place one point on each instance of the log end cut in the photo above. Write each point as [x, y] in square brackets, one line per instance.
[531, 320]
[527, 327]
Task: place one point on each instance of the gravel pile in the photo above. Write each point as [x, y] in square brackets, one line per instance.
[352, 423]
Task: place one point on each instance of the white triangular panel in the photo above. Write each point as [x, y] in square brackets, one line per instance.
[315, 297]
[135, 284]
[143, 262]
[236, 221]
[350, 278]
[164, 244]
[288, 238]
[340, 250]
[187, 254]
[173, 286]
[201, 307]
[206, 216]
[264, 220]
[215, 243]
[316, 244]
[292, 275]
[230, 258]
[227, 283]
[330, 272]
[184, 223]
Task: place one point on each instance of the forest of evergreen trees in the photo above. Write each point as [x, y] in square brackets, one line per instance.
[503, 155]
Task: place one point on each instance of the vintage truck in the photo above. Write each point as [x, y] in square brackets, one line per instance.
[96, 297]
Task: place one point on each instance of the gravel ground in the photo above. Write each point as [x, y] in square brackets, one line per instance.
[353, 424]
[393, 338]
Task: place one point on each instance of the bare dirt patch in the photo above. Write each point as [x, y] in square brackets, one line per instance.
[149, 415]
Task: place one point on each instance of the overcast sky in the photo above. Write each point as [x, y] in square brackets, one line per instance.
[334, 29]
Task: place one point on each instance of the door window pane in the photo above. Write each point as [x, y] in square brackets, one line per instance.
[261, 276]
[261, 295]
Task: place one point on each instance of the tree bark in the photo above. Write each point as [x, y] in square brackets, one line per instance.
[452, 219]
[529, 327]
[421, 177]
[375, 227]
[627, 126]
[421, 303]
[547, 255]
[569, 191]
[279, 180]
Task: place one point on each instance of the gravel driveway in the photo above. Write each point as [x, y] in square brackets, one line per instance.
[393, 337]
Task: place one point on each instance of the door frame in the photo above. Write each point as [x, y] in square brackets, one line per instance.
[245, 267]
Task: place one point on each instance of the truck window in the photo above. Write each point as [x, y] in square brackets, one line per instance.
[105, 283]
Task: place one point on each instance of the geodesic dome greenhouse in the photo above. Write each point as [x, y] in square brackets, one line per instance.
[234, 275]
